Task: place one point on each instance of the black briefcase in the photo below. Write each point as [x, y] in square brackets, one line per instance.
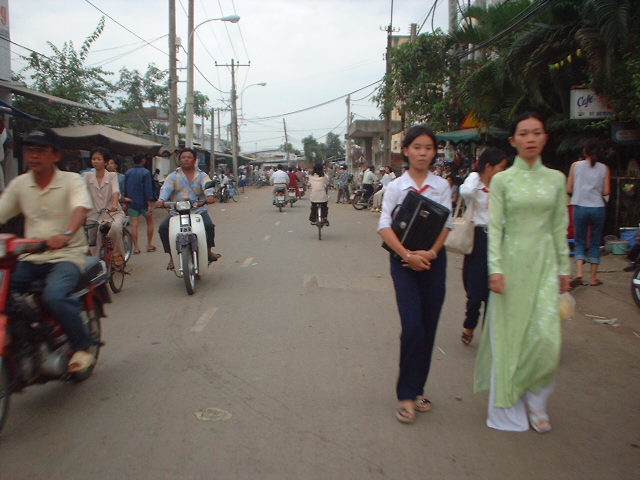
[418, 222]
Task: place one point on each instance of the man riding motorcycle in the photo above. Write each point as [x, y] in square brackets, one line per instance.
[188, 183]
[55, 205]
[279, 180]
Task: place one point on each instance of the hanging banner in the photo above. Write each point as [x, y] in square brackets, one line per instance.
[587, 105]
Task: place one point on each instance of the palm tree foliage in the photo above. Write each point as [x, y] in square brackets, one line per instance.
[592, 43]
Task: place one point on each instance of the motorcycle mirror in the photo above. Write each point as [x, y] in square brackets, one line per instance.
[210, 184]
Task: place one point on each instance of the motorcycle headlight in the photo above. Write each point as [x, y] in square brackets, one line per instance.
[181, 206]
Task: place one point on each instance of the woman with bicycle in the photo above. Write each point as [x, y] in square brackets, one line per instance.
[105, 193]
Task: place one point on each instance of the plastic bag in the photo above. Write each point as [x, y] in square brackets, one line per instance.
[567, 306]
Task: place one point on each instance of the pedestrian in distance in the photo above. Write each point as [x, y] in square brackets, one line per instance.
[475, 276]
[418, 276]
[368, 179]
[105, 193]
[343, 185]
[318, 184]
[387, 177]
[139, 188]
[589, 182]
[519, 351]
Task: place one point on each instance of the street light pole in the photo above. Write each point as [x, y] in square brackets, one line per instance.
[190, 54]
[173, 79]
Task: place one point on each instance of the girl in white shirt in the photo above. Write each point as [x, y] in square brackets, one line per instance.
[418, 276]
[475, 274]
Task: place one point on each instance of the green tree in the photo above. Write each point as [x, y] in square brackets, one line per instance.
[65, 74]
[288, 147]
[310, 147]
[334, 147]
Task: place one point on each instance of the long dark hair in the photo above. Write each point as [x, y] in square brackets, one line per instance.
[525, 116]
[413, 133]
[592, 148]
[318, 170]
[491, 156]
[106, 154]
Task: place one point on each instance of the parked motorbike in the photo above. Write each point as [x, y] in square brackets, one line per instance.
[280, 198]
[188, 243]
[293, 197]
[33, 347]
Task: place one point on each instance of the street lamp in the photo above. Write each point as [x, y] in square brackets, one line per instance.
[189, 102]
[261, 84]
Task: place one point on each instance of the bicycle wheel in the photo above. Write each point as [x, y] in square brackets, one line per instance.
[635, 287]
[116, 281]
[188, 270]
[319, 231]
[128, 244]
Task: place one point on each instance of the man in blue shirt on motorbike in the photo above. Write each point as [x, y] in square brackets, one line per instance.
[188, 183]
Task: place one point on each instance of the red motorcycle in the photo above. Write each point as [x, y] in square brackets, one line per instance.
[33, 347]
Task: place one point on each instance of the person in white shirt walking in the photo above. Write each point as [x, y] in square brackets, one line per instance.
[387, 177]
[589, 181]
[475, 273]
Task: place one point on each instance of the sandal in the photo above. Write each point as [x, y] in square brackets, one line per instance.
[405, 415]
[170, 265]
[597, 284]
[136, 252]
[151, 248]
[466, 338]
[576, 282]
[539, 422]
[80, 361]
[213, 257]
[423, 404]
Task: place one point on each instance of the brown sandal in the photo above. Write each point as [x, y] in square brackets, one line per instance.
[423, 404]
[466, 338]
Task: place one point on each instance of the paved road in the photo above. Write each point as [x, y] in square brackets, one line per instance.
[282, 366]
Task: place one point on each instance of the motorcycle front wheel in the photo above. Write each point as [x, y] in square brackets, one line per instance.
[635, 287]
[5, 392]
[188, 270]
[91, 320]
[358, 203]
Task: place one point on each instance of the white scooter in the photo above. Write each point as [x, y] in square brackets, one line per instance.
[188, 243]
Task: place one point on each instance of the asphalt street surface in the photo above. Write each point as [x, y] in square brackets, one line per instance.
[283, 366]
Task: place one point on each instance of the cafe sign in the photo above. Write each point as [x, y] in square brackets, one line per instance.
[587, 105]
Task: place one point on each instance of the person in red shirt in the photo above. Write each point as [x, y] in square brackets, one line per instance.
[293, 181]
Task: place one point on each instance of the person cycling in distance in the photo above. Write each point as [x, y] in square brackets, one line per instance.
[187, 183]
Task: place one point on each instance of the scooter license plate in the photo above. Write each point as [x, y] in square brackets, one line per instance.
[292, 195]
[280, 198]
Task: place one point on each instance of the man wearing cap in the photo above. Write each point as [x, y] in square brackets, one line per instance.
[55, 205]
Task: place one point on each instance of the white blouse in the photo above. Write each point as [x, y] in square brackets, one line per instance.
[476, 197]
[394, 193]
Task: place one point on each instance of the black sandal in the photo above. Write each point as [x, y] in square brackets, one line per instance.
[466, 338]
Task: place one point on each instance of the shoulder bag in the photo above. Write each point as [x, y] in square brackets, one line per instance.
[460, 239]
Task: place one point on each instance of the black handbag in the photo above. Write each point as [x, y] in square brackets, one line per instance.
[418, 222]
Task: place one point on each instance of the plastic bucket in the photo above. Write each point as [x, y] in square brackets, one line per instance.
[619, 247]
[629, 234]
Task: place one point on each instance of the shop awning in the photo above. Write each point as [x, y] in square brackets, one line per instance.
[28, 92]
[87, 137]
[11, 110]
[471, 135]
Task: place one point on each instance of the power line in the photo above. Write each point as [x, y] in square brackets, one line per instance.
[130, 31]
[320, 104]
[227, 30]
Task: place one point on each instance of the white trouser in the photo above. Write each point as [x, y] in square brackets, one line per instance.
[377, 198]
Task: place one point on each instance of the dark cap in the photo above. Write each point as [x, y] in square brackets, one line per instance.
[43, 136]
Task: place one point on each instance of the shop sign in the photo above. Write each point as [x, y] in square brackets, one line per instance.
[587, 105]
[625, 134]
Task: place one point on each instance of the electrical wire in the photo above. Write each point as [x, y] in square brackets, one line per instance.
[128, 30]
[213, 32]
[319, 104]
[244, 45]
[227, 29]
[121, 55]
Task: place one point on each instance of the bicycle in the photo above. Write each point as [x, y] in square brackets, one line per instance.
[115, 271]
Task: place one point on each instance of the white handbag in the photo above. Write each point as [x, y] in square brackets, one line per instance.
[460, 239]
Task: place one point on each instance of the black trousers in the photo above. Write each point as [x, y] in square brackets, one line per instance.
[475, 278]
[324, 207]
[419, 296]
[368, 187]
[209, 228]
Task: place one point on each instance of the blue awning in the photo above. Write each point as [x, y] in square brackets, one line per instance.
[18, 113]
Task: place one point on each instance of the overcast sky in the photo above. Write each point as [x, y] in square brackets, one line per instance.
[307, 51]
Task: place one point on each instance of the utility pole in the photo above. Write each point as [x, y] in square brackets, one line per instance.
[189, 102]
[347, 154]
[388, 108]
[234, 113]
[219, 130]
[212, 154]
[286, 140]
[173, 80]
